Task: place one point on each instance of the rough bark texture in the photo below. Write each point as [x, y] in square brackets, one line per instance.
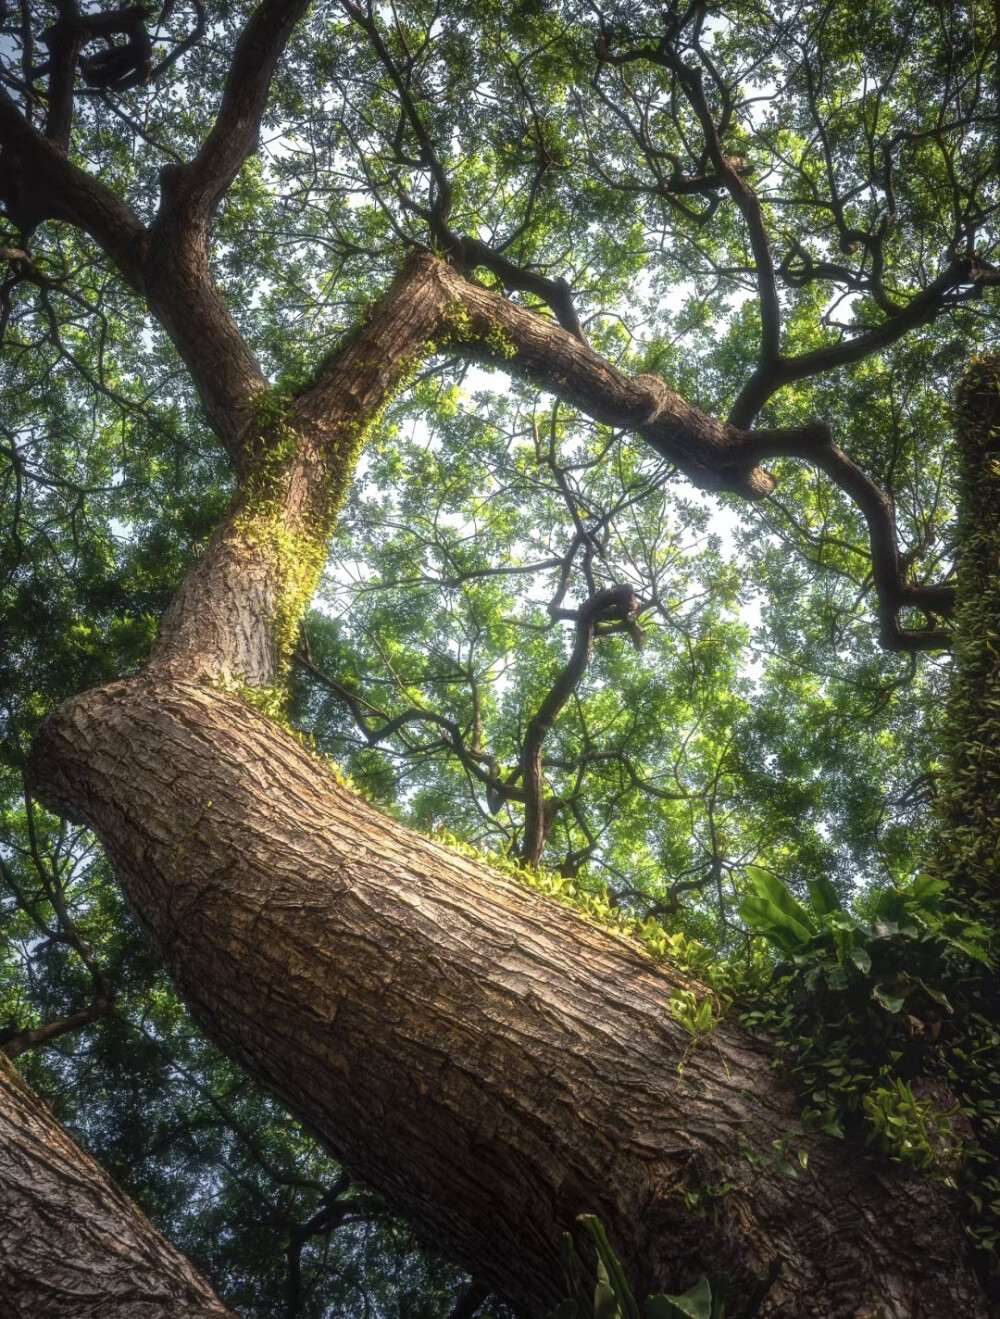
[489, 1061]
[969, 804]
[72, 1246]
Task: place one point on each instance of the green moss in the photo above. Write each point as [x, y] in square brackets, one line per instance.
[460, 327]
[296, 553]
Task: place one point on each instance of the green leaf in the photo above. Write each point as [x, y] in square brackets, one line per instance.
[861, 959]
[836, 977]
[770, 887]
[577, 1290]
[926, 890]
[606, 1303]
[823, 897]
[626, 1307]
[697, 1303]
[788, 932]
[891, 1002]
[937, 995]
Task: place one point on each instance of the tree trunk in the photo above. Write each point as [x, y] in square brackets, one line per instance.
[969, 803]
[489, 1061]
[72, 1246]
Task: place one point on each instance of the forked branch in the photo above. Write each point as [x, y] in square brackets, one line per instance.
[433, 303]
[193, 192]
[612, 609]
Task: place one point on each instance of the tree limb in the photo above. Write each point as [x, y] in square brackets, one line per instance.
[169, 268]
[37, 183]
[615, 603]
[192, 192]
[892, 590]
[70, 1240]
[923, 307]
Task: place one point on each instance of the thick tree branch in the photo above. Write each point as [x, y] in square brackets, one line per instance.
[746, 200]
[71, 1243]
[38, 183]
[557, 1087]
[168, 268]
[223, 618]
[331, 1214]
[192, 192]
[65, 40]
[556, 293]
[773, 375]
[713, 454]
[183, 296]
[169, 265]
[20, 1041]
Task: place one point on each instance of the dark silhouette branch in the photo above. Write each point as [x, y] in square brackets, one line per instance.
[893, 592]
[555, 293]
[167, 265]
[922, 308]
[475, 762]
[38, 183]
[182, 47]
[466, 252]
[746, 200]
[614, 607]
[14, 1041]
[65, 40]
[332, 1213]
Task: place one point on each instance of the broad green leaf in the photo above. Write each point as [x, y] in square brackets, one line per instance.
[771, 888]
[775, 923]
[823, 897]
[891, 1002]
[861, 959]
[608, 1261]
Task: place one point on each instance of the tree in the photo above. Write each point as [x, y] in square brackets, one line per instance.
[493, 1065]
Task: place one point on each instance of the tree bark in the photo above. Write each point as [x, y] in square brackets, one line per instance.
[489, 1061]
[969, 804]
[73, 1246]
